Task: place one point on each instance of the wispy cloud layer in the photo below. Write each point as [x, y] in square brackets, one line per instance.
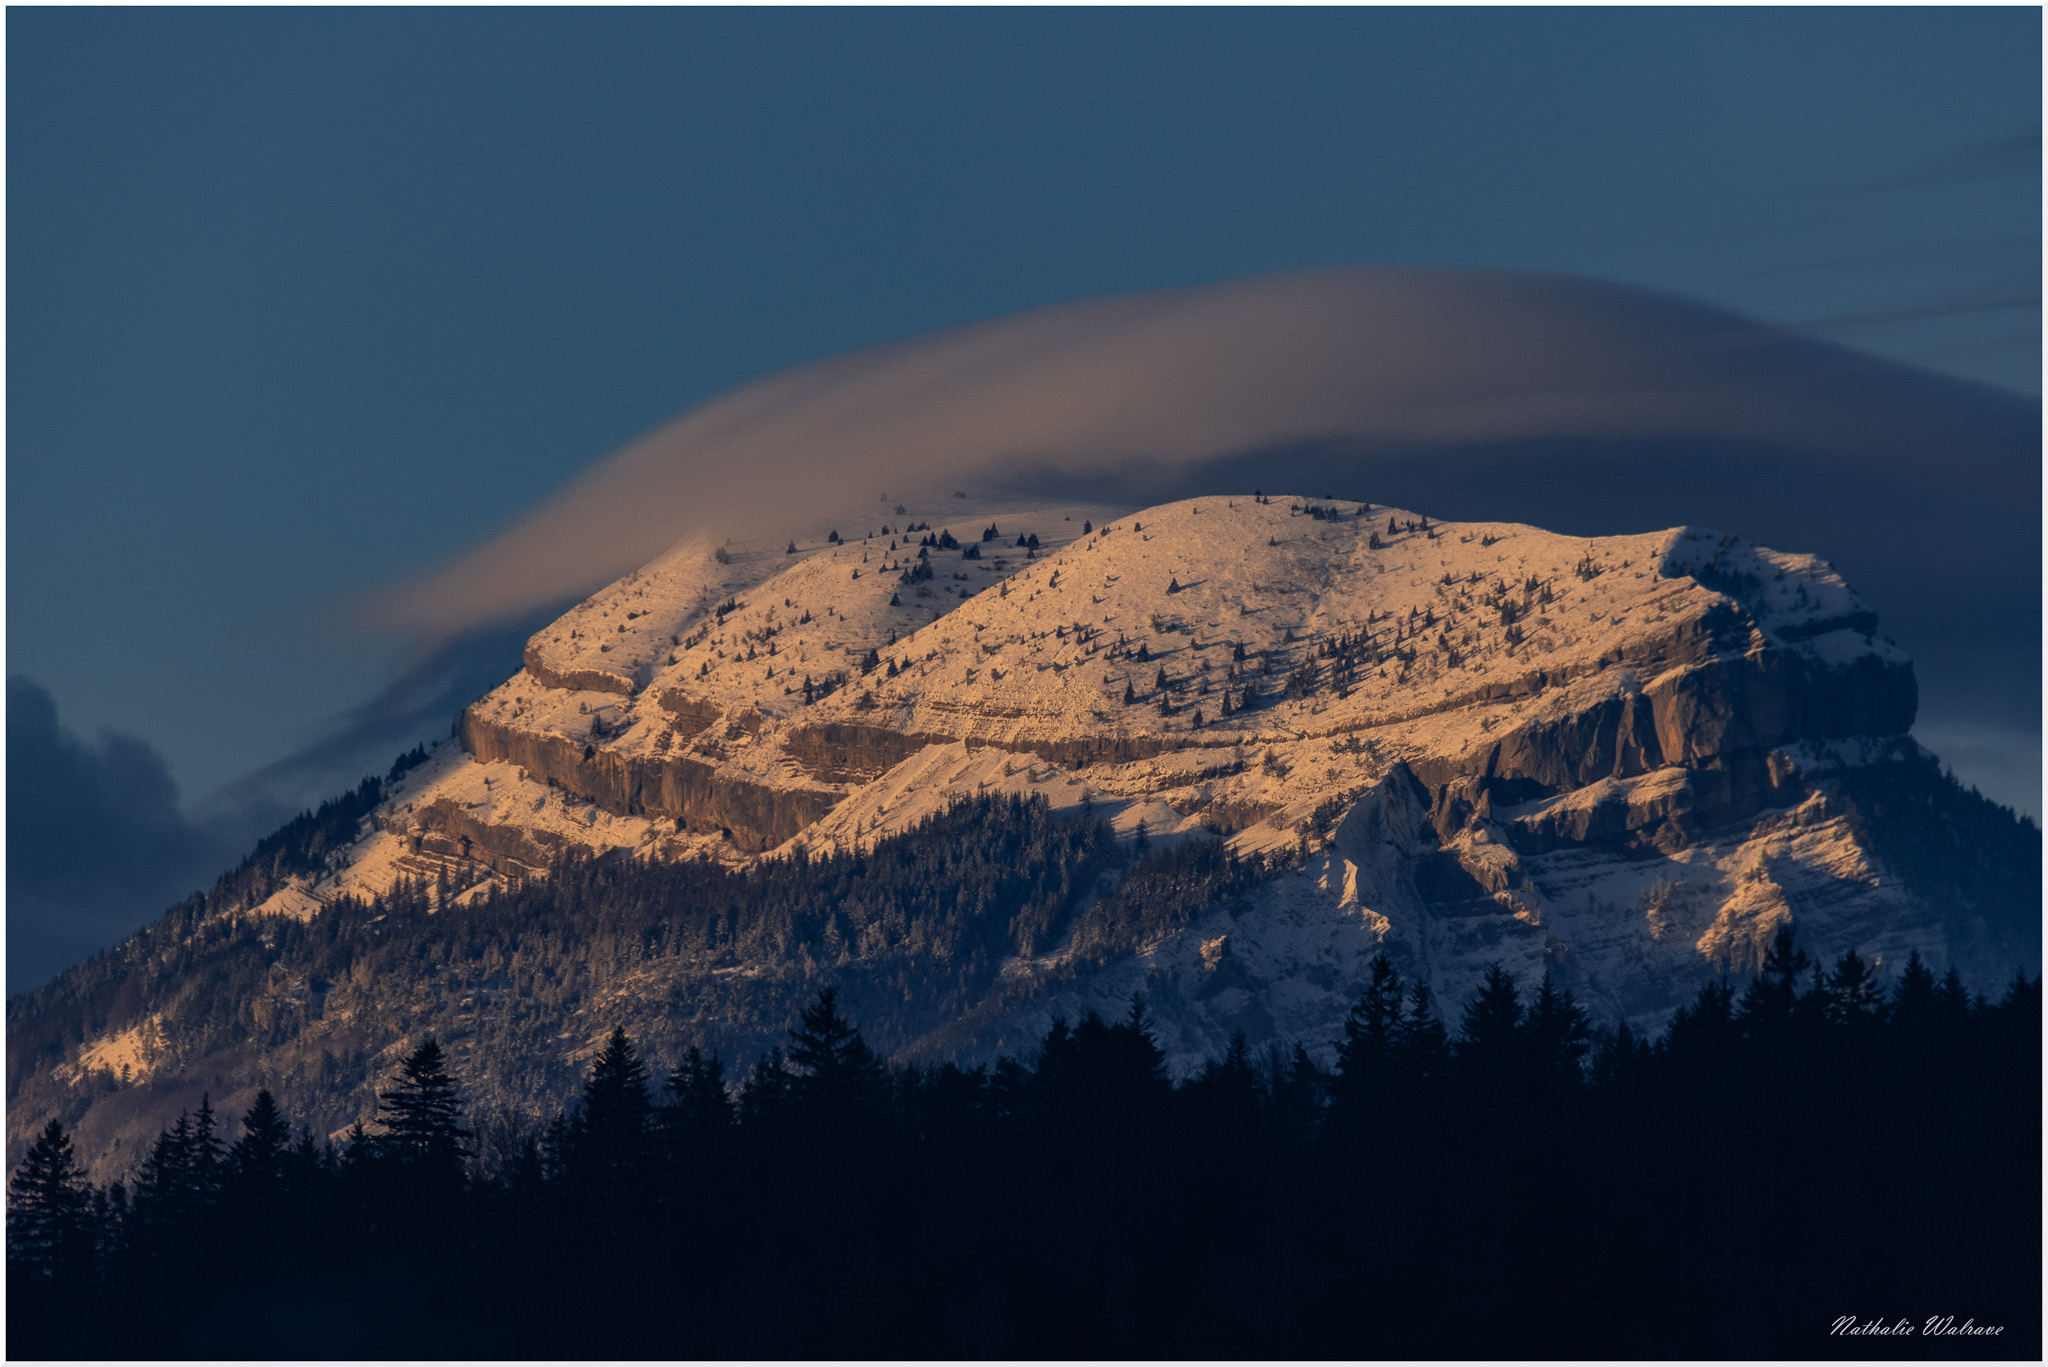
[1588, 405]
[1399, 359]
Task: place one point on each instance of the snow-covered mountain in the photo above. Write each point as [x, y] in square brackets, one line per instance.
[1625, 761]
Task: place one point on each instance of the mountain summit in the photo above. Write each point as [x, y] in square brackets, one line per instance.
[1308, 730]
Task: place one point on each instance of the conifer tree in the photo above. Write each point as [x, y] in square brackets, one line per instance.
[615, 1094]
[765, 1095]
[1768, 1001]
[257, 1160]
[1619, 1057]
[1703, 1033]
[1297, 1088]
[1228, 1095]
[1488, 1038]
[834, 1066]
[205, 1155]
[609, 1140]
[162, 1171]
[698, 1104]
[1558, 1034]
[420, 1117]
[1952, 1000]
[48, 1232]
[162, 1193]
[1913, 1001]
[1371, 1033]
[1423, 1048]
[1854, 997]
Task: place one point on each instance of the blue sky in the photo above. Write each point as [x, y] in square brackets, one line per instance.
[301, 302]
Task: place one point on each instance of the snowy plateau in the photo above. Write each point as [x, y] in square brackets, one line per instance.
[1624, 761]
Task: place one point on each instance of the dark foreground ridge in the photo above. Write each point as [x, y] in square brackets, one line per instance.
[1810, 1150]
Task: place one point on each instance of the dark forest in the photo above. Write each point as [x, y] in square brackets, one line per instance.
[1811, 1147]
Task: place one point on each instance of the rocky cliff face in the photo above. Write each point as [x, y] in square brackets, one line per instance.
[1622, 761]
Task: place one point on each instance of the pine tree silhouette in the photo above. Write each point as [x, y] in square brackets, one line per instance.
[1488, 1038]
[834, 1066]
[1228, 1101]
[48, 1236]
[160, 1180]
[610, 1145]
[420, 1117]
[257, 1160]
[1558, 1034]
[1369, 1054]
[1952, 1001]
[1423, 1049]
[614, 1121]
[1768, 1002]
[699, 1108]
[1913, 1000]
[205, 1156]
[766, 1094]
[1854, 997]
[1298, 1089]
[1032, 1172]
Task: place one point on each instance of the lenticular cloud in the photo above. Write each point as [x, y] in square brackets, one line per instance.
[1583, 405]
[1152, 384]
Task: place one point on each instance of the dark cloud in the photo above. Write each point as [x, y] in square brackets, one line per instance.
[97, 843]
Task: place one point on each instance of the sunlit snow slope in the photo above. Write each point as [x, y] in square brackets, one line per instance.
[1621, 760]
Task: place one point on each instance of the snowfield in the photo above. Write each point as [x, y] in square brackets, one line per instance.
[1604, 758]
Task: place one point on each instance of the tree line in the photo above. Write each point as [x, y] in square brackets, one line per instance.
[1511, 1183]
[914, 929]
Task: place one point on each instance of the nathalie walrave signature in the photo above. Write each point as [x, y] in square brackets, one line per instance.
[1937, 1326]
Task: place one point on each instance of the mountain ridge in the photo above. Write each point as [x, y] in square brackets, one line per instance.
[1624, 762]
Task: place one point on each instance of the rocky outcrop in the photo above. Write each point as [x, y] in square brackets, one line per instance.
[689, 715]
[1720, 717]
[444, 828]
[842, 752]
[700, 795]
[849, 752]
[578, 680]
[1768, 698]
